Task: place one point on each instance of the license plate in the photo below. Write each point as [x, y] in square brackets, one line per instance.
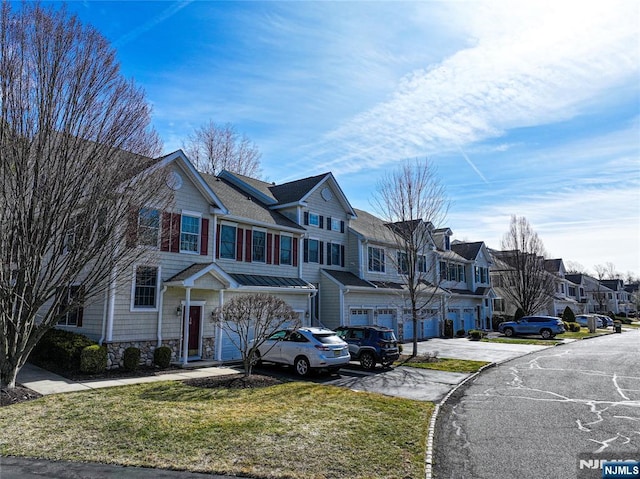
[337, 353]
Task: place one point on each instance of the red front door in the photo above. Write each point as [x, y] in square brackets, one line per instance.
[194, 330]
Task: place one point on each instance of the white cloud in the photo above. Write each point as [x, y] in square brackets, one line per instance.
[531, 64]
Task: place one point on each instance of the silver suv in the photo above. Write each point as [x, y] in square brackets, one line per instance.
[305, 349]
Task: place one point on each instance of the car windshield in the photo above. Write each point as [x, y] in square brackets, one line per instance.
[327, 338]
[387, 336]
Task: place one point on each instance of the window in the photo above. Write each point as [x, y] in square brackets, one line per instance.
[376, 259]
[481, 274]
[314, 219]
[443, 271]
[145, 287]
[148, 227]
[498, 304]
[461, 276]
[189, 234]
[73, 316]
[403, 264]
[228, 242]
[259, 248]
[313, 251]
[572, 291]
[336, 254]
[285, 249]
[335, 224]
[422, 263]
[453, 272]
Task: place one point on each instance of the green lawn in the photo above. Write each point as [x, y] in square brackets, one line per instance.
[442, 364]
[291, 430]
[584, 333]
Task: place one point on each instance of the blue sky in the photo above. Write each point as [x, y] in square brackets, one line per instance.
[527, 108]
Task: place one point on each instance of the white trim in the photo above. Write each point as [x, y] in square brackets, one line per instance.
[132, 307]
[199, 234]
[195, 214]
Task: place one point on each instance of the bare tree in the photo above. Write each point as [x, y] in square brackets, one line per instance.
[573, 267]
[75, 143]
[522, 275]
[412, 201]
[600, 291]
[249, 319]
[214, 147]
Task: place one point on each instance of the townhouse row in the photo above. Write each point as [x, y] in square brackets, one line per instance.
[580, 292]
[230, 235]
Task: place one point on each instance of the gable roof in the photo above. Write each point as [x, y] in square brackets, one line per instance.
[467, 250]
[196, 178]
[286, 194]
[371, 227]
[297, 190]
[553, 265]
[613, 284]
[242, 206]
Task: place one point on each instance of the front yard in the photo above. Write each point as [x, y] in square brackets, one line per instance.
[289, 430]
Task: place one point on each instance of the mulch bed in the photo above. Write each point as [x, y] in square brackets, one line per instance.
[234, 381]
[17, 395]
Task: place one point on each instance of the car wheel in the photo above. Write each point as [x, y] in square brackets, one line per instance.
[257, 360]
[546, 334]
[301, 365]
[508, 332]
[367, 360]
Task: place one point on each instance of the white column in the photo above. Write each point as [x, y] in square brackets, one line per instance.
[185, 335]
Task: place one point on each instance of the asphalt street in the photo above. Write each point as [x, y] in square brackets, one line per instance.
[536, 416]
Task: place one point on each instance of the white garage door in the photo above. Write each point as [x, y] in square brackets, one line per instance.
[359, 317]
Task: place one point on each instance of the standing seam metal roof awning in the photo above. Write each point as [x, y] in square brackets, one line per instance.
[270, 281]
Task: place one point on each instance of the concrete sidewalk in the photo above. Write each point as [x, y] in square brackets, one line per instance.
[46, 382]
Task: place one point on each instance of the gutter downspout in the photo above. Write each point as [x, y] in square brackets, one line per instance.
[219, 331]
[312, 295]
[112, 305]
[160, 308]
[105, 309]
[185, 336]
[343, 292]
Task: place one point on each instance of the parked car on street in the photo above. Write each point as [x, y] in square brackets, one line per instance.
[305, 349]
[371, 344]
[545, 326]
[606, 320]
[583, 320]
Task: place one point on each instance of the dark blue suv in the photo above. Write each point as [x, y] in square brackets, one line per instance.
[370, 345]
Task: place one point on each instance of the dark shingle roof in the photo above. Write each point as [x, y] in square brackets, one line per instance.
[372, 227]
[467, 250]
[241, 205]
[294, 191]
[348, 279]
[552, 265]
